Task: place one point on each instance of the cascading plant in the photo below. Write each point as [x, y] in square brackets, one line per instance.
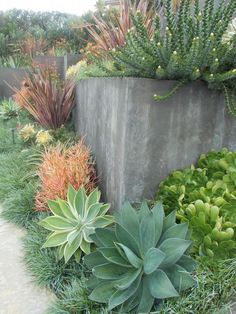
[74, 221]
[142, 259]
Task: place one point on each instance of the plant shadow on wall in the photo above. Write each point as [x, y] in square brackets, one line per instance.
[189, 43]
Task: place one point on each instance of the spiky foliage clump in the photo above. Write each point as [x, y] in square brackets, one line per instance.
[43, 264]
[61, 166]
[74, 221]
[110, 34]
[8, 109]
[205, 197]
[188, 48]
[48, 101]
[143, 259]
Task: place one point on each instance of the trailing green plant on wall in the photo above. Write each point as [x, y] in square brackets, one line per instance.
[143, 259]
[190, 43]
[205, 197]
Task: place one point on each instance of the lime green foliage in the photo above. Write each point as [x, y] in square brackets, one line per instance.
[74, 221]
[205, 197]
[143, 259]
[8, 109]
[44, 266]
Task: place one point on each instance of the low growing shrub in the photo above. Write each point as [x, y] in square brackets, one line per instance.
[205, 197]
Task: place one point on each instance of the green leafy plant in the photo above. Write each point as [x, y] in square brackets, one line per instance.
[143, 259]
[205, 197]
[74, 221]
[8, 109]
[188, 47]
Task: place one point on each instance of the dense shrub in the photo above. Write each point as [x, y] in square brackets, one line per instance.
[205, 197]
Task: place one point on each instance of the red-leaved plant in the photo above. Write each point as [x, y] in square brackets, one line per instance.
[112, 33]
[49, 101]
[62, 166]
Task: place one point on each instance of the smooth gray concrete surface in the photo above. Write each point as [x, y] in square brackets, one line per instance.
[18, 295]
[137, 141]
[10, 77]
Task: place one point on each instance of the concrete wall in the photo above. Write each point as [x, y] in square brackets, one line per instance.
[137, 141]
[12, 77]
[61, 63]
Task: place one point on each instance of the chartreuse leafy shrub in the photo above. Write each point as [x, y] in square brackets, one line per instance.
[74, 221]
[142, 259]
[205, 197]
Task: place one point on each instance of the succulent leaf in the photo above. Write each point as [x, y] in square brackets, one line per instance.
[131, 273]
[74, 222]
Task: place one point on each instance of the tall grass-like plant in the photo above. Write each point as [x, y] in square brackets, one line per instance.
[112, 33]
[62, 166]
[49, 102]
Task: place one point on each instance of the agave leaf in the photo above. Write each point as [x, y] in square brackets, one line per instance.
[61, 251]
[158, 215]
[79, 202]
[178, 230]
[180, 279]
[78, 254]
[70, 249]
[120, 296]
[169, 221]
[108, 271]
[104, 209]
[147, 233]
[95, 239]
[71, 193]
[104, 221]
[102, 292]
[187, 262]
[146, 300]
[127, 217]
[126, 238]
[55, 239]
[106, 237]
[47, 226]
[92, 282]
[72, 235]
[85, 246]
[144, 211]
[93, 198]
[153, 258]
[127, 279]
[94, 259]
[67, 211]
[160, 285]
[132, 258]
[93, 211]
[87, 232]
[55, 208]
[58, 223]
[112, 255]
[174, 249]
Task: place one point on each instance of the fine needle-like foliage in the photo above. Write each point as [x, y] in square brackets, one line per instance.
[74, 221]
[143, 259]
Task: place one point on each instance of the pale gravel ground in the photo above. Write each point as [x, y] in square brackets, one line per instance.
[18, 295]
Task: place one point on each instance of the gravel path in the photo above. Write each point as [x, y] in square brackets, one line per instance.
[18, 295]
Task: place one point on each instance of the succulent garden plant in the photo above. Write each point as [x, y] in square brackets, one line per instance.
[142, 259]
[74, 221]
[205, 198]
